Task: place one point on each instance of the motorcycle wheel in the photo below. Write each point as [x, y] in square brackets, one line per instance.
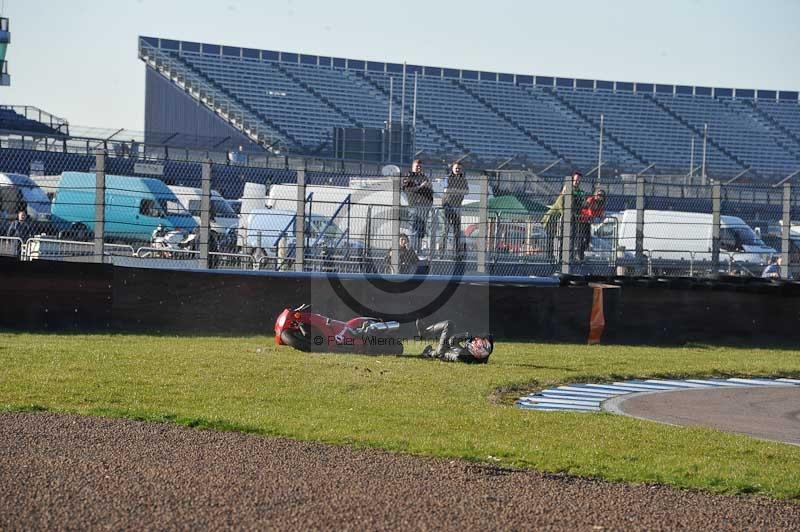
[302, 342]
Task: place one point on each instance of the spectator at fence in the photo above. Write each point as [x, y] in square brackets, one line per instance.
[408, 259]
[592, 211]
[22, 227]
[457, 188]
[237, 157]
[552, 218]
[419, 193]
[134, 149]
[773, 269]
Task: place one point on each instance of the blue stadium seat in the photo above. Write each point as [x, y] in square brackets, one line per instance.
[500, 116]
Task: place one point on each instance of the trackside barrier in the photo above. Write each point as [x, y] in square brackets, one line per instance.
[10, 246]
[50, 248]
[231, 261]
[698, 263]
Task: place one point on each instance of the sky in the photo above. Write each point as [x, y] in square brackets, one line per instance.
[78, 58]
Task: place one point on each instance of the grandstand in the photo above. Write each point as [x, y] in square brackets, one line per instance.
[31, 121]
[293, 102]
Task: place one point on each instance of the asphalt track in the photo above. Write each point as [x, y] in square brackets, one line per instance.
[767, 412]
[70, 472]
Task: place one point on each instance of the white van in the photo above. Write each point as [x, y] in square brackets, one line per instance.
[673, 235]
[266, 231]
[222, 218]
[369, 216]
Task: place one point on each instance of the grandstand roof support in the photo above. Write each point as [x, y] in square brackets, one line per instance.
[463, 157]
[787, 178]
[506, 162]
[737, 176]
[645, 169]
[549, 166]
[595, 169]
[220, 143]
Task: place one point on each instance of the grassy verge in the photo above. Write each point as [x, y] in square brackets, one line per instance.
[407, 404]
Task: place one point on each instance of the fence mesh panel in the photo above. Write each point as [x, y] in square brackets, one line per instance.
[154, 216]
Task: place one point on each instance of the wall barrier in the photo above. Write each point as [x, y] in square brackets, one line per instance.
[46, 295]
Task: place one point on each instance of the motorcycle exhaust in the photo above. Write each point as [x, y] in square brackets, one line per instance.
[383, 326]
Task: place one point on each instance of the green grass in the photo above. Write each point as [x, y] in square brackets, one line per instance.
[408, 404]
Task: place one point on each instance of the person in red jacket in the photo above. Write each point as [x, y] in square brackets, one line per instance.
[593, 210]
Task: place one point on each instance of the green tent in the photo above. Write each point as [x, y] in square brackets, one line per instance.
[509, 207]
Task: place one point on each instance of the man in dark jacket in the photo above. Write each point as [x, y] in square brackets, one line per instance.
[462, 347]
[21, 228]
[408, 260]
[419, 193]
[457, 188]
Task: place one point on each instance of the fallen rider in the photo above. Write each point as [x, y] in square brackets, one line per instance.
[462, 347]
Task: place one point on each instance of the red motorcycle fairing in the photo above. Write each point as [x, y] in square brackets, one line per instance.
[307, 331]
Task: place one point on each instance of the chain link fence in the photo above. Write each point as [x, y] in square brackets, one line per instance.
[246, 213]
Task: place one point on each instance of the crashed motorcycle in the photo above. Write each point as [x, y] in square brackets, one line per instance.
[307, 331]
[169, 244]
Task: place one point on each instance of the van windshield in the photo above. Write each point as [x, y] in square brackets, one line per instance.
[221, 208]
[733, 238]
[36, 198]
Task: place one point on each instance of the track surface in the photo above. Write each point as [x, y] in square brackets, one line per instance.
[768, 412]
[62, 471]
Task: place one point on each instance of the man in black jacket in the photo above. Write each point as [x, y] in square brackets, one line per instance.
[457, 188]
[21, 228]
[462, 347]
[419, 193]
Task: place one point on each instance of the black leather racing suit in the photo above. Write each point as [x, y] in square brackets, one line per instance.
[452, 347]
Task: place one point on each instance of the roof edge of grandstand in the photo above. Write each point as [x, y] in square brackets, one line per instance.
[478, 75]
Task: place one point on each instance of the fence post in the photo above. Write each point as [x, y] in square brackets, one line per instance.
[567, 229]
[205, 213]
[716, 206]
[640, 221]
[786, 230]
[300, 222]
[395, 224]
[483, 222]
[99, 204]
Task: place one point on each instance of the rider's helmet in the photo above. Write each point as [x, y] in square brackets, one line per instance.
[481, 347]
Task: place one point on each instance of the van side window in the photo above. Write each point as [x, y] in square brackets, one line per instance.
[148, 208]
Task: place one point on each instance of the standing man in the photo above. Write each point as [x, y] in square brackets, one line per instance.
[419, 193]
[457, 188]
[555, 213]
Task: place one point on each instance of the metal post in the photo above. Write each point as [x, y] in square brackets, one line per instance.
[600, 153]
[691, 163]
[300, 222]
[414, 116]
[786, 230]
[640, 219]
[205, 213]
[567, 229]
[389, 122]
[716, 206]
[483, 222]
[99, 204]
[402, 112]
[395, 224]
[703, 176]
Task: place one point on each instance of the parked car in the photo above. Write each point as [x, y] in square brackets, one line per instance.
[134, 207]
